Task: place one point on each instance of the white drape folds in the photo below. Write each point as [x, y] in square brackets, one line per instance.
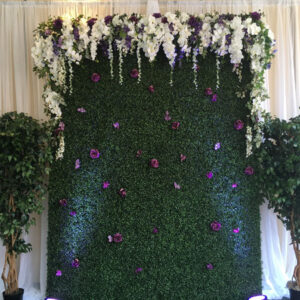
[21, 90]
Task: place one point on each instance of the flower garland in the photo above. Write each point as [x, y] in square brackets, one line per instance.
[60, 42]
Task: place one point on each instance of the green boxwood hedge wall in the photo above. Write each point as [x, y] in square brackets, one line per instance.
[173, 260]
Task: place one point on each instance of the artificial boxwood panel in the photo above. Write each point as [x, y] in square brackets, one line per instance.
[174, 260]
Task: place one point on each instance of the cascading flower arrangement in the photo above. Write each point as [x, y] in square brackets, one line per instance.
[63, 41]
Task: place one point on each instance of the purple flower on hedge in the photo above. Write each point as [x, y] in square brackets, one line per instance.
[175, 125]
[75, 263]
[215, 226]
[108, 20]
[139, 153]
[249, 170]
[94, 153]
[105, 185]
[236, 230]
[209, 266]
[57, 23]
[155, 230]
[95, 77]
[182, 157]
[116, 125]
[77, 164]
[234, 185]
[167, 116]
[157, 15]
[110, 239]
[81, 110]
[217, 146]
[255, 15]
[238, 124]
[134, 73]
[63, 202]
[214, 98]
[118, 238]
[91, 22]
[208, 91]
[177, 186]
[58, 273]
[73, 213]
[154, 163]
[138, 270]
[151, 88]
[209, 174]
[122, 192]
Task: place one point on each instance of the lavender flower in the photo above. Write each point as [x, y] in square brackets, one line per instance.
[217, 146]
[72, 213]
[116, 125]
[110, 239]
[105, 185]
[77, 164]
[155, 230]
[138, 270]
[58, 273]
[209, 175]
[209, 266]
[177, 186]
[214, 98]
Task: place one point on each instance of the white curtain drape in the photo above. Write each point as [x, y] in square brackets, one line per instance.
[21, 90]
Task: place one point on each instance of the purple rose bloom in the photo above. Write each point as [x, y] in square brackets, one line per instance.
[209, 174]
[134, 73]
[105, 185]
[108, 20]
[156, 15]
[215, 226]
[209, 266]
[122, 192]
[139, 153]
[110, 239]
[175, 125]
[208, 91]
[58, 273]
[214, 98]
[91, 22]
[77, 164]
[95, 77]
[72, 213]
[138, 270]
[63, 202]
[94, 153]
[151, 89]
[81, 110]
[57, 23]
[118, 238]
[238, 124]
[155, 230]
[255, 15]
[249, 170]
[116, 125]
[75, 263]
[154, 163]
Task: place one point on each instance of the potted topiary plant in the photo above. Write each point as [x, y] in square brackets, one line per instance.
[25, 155]
[279, 177]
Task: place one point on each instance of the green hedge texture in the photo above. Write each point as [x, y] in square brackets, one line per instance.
[174, 260]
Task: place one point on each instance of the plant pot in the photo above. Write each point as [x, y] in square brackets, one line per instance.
[294, 295]
[18, 296]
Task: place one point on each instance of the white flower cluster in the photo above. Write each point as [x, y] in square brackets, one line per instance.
[56, 48]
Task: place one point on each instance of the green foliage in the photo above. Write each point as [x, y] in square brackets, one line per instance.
[173, 260]
[279, 173]
[25, 155]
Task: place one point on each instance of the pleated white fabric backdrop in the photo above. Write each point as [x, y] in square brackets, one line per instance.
[21, 90]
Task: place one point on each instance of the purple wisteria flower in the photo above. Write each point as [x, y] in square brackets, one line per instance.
[182, 157]
[167, 116]
[57, 23]
[110, 239]
[249, 170]
[139, 153]
[94, 153]
[118, 238]
[95, 77]
[58, 273]
[155, 230]
[75, 263]
[77, 164]
[215, 226]
[81, 110]
[122, 192]
[175, 125]
[105, 185]
[134, 73]
[116, 125]
[214, 98]
[154, 163]
[234, 185]
[209, 266]
[217, 146]
[209, 174]
[151, 89]
[138, 270]
[236, 230]
[208, 91]
[108, 20]
[63, 202]
[177, 186]
[238, 124]
[73, 213]
[255, 15]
